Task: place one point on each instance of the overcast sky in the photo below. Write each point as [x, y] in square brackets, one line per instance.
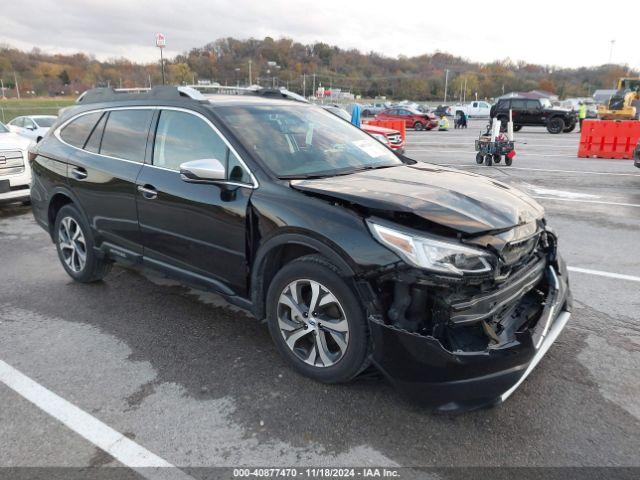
[566, 33]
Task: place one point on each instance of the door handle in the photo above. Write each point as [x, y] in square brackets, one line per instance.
[79, 173]
[148, 191]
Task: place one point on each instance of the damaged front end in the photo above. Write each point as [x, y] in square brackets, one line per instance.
[458, 342]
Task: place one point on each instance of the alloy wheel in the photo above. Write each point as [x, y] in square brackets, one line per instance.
[313, 323]
[72, 244]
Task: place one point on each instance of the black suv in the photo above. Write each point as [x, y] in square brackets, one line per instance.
[536, 113]
[447, 282]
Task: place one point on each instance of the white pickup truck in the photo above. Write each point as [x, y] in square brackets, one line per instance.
[476, 109]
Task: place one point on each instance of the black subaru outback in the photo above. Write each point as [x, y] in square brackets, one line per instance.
[535, 113]
[448, 282]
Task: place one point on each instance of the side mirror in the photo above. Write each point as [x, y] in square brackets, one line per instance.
[205, 170]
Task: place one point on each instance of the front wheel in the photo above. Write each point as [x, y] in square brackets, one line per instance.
[418, 126]
[479, 158]
[555, 125]
[488, 160]
[496, 158]
[74, 243]
[317, 321]
[508, 161]
[517, 128]
[569, 128]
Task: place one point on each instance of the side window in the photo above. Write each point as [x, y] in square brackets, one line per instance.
[518, 104]
[93, 143]
[235, 171]
[475, 104]
[533, 105]
[125, 134]
[17, 122]
[182, 137]
[28, 123]
[77, 131]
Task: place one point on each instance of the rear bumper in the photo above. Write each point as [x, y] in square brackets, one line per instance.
[427, 373]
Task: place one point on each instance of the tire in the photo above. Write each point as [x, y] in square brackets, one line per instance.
[418, 126]
[517, 128]
[488, 160]
[508, 161]
[569, 128]
[479, 158]
[555, 125]
[72, 248]
[323, 356]
[496, 158]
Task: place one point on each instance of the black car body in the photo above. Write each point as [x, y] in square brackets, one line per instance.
[353, 243]
[535, 113]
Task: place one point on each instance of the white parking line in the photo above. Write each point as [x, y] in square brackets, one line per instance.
[582, 172]
[600, 273]
[474, 152]
[618, 204]
[123, 449]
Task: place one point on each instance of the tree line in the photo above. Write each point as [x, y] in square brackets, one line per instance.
[301, 68]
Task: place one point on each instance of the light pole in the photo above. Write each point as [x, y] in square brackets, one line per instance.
[613, 42]
[446, 84]
[250, 80]
[161, 43]
[237, 77]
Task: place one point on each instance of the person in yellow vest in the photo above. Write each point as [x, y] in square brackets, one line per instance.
[582, 113]
[443, 124]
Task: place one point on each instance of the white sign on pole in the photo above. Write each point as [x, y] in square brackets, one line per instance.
[160, 40]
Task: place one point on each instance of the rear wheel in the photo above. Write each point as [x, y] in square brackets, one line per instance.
[508, 161]
[488, 160]
[496, 158]
[555, 125]
[569, 128]
[418, 126]
[317, 321]
[74, 243]
[479, 158]
[517, 128]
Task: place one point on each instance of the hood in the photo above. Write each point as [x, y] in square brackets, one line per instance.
[462, 201]
[10, 140]
[380, 130]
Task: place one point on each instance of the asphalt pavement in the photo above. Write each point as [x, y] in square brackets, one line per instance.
[184, 378]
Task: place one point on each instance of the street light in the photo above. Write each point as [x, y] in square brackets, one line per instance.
[161, 42]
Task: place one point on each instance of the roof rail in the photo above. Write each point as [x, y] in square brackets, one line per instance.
[161, 92]
[252, 90]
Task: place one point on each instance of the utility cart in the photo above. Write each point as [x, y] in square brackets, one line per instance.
[491, 151]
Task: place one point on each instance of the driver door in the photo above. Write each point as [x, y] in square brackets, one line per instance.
[195, 230]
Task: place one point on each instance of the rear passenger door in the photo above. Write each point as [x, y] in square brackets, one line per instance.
[194, 230]
[110, 151]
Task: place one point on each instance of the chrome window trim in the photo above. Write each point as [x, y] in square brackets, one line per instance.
[57, 131]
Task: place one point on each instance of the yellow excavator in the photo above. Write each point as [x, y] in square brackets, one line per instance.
[625, 103]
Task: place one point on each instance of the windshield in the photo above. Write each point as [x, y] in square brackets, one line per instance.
[546, 103]
[3, 128]
[301, 141]
[45, 122]
[339, 112]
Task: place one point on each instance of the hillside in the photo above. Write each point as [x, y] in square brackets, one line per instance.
[298, 66]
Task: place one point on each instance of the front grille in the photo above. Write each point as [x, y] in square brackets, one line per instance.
[395, 139]
[518, 252]
[11, 162]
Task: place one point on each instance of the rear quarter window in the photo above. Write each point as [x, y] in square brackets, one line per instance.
[77, 131]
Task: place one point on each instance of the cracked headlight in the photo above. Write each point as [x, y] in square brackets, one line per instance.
[431, 254]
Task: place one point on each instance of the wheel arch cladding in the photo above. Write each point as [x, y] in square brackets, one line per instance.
[282, 249]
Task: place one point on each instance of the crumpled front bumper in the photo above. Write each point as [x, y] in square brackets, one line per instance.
[424, 371]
